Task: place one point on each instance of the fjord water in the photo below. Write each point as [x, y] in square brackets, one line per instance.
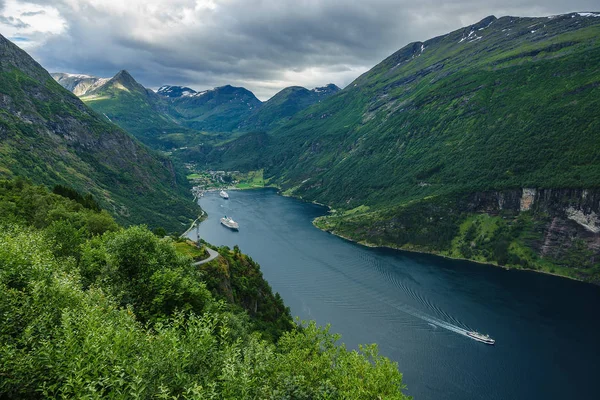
[417, 307]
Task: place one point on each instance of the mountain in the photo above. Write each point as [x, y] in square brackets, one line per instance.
[286, 103]
[219, 110]
[77, 83]
[171, 118]
[483, 143]
[138, 110]
[175, 91]
[51, 137]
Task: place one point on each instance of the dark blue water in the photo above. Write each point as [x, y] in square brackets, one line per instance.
[417, 307]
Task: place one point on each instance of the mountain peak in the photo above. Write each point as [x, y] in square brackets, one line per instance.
[484, 23]
[175, 91]
[124, 80]
[124, 77]
[326, 90]
[11, 56]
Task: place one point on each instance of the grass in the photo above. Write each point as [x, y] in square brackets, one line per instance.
[189, 249]
[250, 180]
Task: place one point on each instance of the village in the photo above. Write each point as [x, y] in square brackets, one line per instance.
[205, 181]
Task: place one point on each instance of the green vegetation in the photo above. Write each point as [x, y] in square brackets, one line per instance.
[285, 104]
[189, 249]
[250, 180]
[140, 112]
[444, 225]
[51, 137]
[91, 310]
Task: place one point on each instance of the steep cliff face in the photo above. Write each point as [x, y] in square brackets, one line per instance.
[577, 204]
[236, 278]
[568, 220]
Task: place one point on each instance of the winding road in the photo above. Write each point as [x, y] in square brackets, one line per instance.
[212, 254]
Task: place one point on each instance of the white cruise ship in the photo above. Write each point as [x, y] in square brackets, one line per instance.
[230, 223]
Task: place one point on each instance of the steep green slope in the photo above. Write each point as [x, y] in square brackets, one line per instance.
[286, 103]
[490, 110]
[138, 110]
[512, 109]
[51, 137]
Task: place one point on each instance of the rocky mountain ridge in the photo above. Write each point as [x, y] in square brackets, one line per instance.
[180, 109]
[78, 84]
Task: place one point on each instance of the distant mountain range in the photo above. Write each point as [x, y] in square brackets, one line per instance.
[175, 115]
[51, 137]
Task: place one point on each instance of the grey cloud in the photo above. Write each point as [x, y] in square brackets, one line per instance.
[32, 13]
[14, 22]
[260, 44]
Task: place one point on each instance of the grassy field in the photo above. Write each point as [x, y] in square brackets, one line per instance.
[188, 248]
[251, 180]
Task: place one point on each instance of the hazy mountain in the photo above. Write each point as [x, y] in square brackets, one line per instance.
[77, 83]
[175, 91]
[285, 104]
[51, 137]
[220, 109]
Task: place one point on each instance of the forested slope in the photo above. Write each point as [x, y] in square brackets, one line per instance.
[90, 309]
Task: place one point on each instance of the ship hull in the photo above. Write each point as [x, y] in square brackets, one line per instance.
[491, 342]
[232, 227]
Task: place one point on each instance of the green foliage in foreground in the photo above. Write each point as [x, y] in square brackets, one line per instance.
[122, 315]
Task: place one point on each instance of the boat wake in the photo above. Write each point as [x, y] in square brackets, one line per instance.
[461, 330]
[446, 321]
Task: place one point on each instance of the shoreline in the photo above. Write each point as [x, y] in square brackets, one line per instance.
[375, 246]
[371, 245]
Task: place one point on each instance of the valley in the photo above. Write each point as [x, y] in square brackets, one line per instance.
[449, 131]
[443, 193]
[428, 141]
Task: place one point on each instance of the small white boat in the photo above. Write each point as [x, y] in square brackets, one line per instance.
[481, 337]
[224, 195]
[230, 223]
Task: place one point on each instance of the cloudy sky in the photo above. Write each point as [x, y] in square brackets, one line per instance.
[263, 45]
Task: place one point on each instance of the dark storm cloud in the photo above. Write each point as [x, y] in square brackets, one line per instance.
[263, 45]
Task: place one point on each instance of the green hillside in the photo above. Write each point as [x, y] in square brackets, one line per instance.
[501, 105]
[51, 137]
[139, 111]
[512, 109]
[283, 105]
[218, 110]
